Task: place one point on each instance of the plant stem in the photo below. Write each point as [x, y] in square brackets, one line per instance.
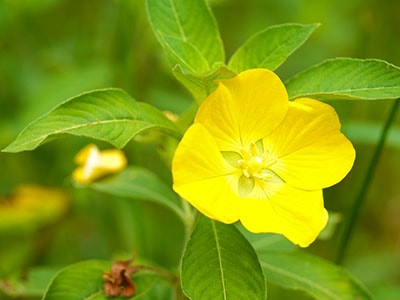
[355, 211]
[189, 217]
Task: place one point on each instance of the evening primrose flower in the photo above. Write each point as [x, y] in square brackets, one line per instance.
[252, 155]
[95, 164]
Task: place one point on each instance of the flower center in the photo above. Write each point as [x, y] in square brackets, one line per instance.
[255, 162]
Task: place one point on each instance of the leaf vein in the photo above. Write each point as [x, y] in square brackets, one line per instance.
[178, 21]
[219, 259]
[300, 279]
[63, 130]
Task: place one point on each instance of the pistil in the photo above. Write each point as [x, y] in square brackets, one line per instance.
[255, 164]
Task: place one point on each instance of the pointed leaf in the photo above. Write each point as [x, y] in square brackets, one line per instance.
[347, 79]
[78, 281]
[181, 52]
[219, 263]
[139, 183]
[270, 47]
[187, 29]
[110, 115]
[83, 281]
[315, 276]
[267, 242]
[201, 84]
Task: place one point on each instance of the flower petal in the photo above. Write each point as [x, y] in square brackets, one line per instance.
[244, 109]
[279, 208]
[312, 152]
[96, 164]
[112, 160]
[203, 177]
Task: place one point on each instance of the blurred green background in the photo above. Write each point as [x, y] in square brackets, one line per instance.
[55, 49]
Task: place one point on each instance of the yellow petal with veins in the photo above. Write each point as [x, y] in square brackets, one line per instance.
[203, 177]
[279, 208]
[312, 152]
[244, 109]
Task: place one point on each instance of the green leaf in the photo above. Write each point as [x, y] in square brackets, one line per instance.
[201, 84]
[183, 53]
[110, 115]
[160, 290]
[83, 280]
[368, 132]
[271, 47]
[267, 242]
[188, 32]
[140, 183]
[319, 278]
[219, 263]
[30, 284]
[347, 79]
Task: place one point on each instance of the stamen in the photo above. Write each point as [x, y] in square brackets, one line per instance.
[253, 149]
[255, 163]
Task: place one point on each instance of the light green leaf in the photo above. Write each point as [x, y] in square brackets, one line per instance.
[110, 115]
[347, 79]
[368, 132]
[219, 263]
[201, 84]
[181, 52]
[317, 277]
[271, 47]
[188, 32]
[83, 281]
[140, 183]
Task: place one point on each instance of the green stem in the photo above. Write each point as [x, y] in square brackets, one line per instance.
[355, 211]
[189, 216]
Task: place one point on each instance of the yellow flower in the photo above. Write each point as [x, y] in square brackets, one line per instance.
[30, 207]
[252, 155]
[95, 164]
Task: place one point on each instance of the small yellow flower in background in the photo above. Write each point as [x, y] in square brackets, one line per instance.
[171, 116]
[30, 207]
[252, 155]
[95, 164]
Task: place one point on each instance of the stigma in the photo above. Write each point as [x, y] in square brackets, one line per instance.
[255, 162]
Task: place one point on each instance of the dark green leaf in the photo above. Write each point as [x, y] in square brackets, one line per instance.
[319, 278]
[188, 32]
[201, 84]
[140, 183]
[159, 291]
[347, 79]
[270, 47]
[79, 281]
[219, 263]
[110, 115]
[83, 281]
[267, 242]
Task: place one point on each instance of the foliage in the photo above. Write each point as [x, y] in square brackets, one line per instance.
[181, 253]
